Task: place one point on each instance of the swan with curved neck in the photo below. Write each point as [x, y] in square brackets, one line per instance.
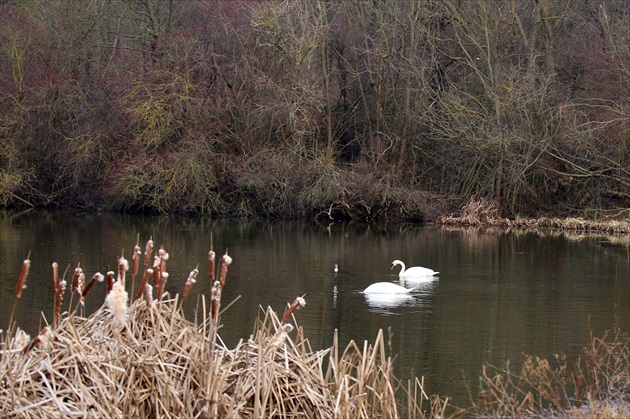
[414, 271]
[386, 288]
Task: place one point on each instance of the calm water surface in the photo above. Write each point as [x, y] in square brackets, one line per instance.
[498, 295]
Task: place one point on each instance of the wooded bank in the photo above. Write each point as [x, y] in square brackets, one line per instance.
[298, 108]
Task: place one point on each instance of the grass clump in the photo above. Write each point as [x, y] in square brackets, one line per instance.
[597, 386]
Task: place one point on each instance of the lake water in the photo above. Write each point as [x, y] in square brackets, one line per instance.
[498, 295]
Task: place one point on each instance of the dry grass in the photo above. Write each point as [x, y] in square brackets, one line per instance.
[147, 360]
[597, 386]
[480, 212]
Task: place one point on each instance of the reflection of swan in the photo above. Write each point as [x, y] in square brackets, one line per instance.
[414, 271]
[336, 269]
[385, 288]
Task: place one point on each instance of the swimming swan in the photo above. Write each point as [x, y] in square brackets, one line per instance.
[414, 271]
[386, 288]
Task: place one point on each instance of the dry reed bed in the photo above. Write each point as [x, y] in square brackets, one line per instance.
[484, 213]
[160, 365]
[149, 361]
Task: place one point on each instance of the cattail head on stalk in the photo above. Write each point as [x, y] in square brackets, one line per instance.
[297, 303]
[215, 300]
[80, 286]
[123, 267]
[75, 279]
[61, 289]
[145, 280]
[148, 295]
[225, 262]
[159, 289]
[97, 277]
[163, 258]
[211, 257]
[42, 340]
[192, 278]
[281, 335]
[26, 266]
[137, 252]
[110, 281]
[148, 252]
[55, 276]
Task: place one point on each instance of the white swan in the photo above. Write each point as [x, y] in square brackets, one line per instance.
[386, 288]
[414, 271]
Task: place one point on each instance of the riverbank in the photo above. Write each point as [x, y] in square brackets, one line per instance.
[482, 213]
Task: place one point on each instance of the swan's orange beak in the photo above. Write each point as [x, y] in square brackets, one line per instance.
[391, 267]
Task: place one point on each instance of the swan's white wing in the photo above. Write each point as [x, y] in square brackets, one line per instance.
[386, 288]
[418, 271]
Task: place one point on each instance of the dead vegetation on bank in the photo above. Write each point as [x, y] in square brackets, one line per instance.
[483, 213]
[145, 359]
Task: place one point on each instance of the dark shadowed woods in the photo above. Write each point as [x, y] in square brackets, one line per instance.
[302, 108]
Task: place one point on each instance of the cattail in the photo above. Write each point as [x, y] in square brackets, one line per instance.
[159, 290]
[55, 276]
[211, 257]
[148, 295]
[26, 265]
[30, 345]
[136, 260]
[297, 303]
[20, 340]
[192, 278]
[123, 267]
[61, 289]
[225, 261]
[281, 335]
[148, 252]
[110, 281]
[163, 258]
[117, 303]
[215, 301]
[145, 280]
[42, 339]
[80, 285]
[75, 279]
[156, 272]
[96, 277]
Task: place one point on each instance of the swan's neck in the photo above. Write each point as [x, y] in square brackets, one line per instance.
[402, 265]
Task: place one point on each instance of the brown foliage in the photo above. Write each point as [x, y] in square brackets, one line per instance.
[196, 107]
